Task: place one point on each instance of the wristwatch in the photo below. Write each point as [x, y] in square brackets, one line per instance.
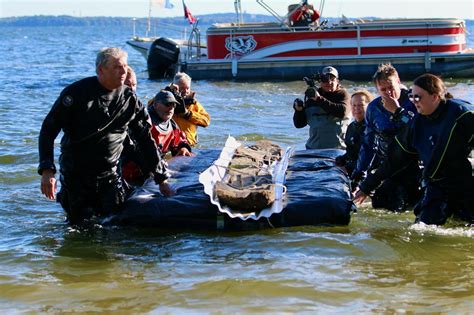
[402, 115]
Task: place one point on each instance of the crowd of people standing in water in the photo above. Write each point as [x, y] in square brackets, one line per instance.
[406, 148]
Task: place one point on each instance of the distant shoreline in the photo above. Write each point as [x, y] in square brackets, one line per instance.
[67, 20]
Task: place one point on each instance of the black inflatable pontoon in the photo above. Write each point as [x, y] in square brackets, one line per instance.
[318, 193]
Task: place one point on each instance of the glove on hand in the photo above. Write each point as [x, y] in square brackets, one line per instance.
[298, 104]
[340, 160]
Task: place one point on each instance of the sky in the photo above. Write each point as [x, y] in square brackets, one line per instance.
[333, 8]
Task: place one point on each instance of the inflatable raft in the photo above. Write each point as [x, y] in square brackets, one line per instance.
[316, 193]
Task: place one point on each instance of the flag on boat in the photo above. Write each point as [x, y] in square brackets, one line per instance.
[162, 3]
[188, 15]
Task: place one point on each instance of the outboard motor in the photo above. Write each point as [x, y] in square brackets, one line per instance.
[162, 58]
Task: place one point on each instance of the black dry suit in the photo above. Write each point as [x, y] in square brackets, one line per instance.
[95, 122]
[401, 189]
[353, 140]
[443, 142]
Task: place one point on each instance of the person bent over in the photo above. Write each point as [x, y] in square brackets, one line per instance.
[401, 190]
[95, 115]
[442, 138]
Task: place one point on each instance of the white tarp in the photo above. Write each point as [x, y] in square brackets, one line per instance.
[217, 171]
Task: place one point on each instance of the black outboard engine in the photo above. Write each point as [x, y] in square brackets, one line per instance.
[162, 58]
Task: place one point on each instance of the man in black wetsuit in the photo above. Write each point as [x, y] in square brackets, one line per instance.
[95, 114]
[442, 138]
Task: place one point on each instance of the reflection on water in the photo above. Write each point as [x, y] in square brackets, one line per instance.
[380, 263]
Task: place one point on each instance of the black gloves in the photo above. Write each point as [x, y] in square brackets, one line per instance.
[311, 92]
[341, 160]
[189, 101]
[298, 102]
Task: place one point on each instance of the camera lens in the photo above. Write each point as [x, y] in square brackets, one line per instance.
[325, 78]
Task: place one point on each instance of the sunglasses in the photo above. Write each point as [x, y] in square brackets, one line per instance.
[326, 78]
[170, 104]
[414, 98]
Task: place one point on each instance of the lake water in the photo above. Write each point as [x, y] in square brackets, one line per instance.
[380, 263]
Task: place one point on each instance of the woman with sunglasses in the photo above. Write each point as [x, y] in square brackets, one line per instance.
[442, 138]
[325, 111]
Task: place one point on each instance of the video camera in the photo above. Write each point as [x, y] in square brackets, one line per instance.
[311, 81]
[312, 89]
[180, 107]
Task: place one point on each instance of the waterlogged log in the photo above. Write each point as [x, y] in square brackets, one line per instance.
[247, 185]
[251, 199]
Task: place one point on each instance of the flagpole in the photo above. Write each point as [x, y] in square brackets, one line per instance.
[148, 28]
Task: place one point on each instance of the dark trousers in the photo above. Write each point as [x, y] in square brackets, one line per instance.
[444, 199]
[399, 192]
[83, 197]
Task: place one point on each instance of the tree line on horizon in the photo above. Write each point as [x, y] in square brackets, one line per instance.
[207, 19]
[67, 20]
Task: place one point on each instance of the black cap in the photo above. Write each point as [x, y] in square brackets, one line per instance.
[165, 97]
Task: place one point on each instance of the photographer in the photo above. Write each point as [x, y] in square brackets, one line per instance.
[189, 113]
[325, 110]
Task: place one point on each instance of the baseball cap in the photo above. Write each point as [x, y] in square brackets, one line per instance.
[165, 97]
[330, 70]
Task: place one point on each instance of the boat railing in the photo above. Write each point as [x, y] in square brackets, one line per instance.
[194, 41]
[227, 28]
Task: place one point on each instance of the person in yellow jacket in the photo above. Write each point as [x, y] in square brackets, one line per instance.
[194, 114]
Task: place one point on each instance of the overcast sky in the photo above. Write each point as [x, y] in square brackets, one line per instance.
[333, 8]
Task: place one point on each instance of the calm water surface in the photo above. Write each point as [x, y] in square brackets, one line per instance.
[380, 263]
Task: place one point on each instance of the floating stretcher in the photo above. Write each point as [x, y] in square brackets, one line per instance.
[307, 189]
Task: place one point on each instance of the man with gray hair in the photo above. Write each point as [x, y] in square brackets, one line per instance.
[189, 114]
[95, 115]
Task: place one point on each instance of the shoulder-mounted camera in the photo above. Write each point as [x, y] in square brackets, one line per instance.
[312, 89]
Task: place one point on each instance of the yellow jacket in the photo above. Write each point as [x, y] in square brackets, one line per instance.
[198, 117]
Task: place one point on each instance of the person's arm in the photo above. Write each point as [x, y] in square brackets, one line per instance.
[466, 123]
[197, 115]
[400, 153]
[335, 105]
[180, 145]
[299, 117]
[367, 150]
[50, 129]
[342, 159]
[297, 15]
[315, 15]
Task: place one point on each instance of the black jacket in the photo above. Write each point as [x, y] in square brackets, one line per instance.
[334, 104]
[353, 140]
[442, 141]
[95, 122]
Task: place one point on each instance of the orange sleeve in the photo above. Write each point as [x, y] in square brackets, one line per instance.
[199, 115]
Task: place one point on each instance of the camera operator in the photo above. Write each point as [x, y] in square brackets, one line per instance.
[189, 113]
[325, 110]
